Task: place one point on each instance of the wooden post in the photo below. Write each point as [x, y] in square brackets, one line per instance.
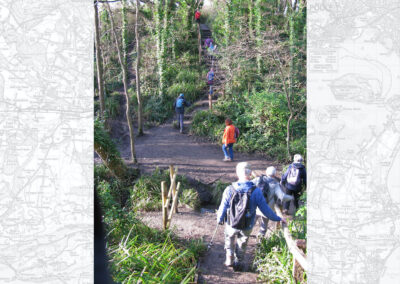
[210, 99]
[294, 268]
[172, 194]
[174, 204]
[171, 172]
[173, 175]
[171, 190]
[164, 206]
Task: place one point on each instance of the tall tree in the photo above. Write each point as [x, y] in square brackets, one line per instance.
[122, 62]
[99, 60]
[159, 32]
[258, 21]
[139, 97]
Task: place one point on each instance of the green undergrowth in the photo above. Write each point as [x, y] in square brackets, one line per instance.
[261, 118]
[182, 76]
[146, 194]
[138, 253]
[273, 260]
[217, 191]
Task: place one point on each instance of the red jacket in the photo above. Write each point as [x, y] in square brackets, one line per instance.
[197, 15]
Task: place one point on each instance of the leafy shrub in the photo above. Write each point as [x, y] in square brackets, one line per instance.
[140, 253]
[192, 90]
[191, 198]
[158, 261]
[273, 260]
[187, 75]
[261, 118]
[113, 105]
[217, 191]
[146, 194]
[208, 123]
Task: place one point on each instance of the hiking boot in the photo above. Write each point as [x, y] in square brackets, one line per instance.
[237, 266]
[226, 159]
[229, 260]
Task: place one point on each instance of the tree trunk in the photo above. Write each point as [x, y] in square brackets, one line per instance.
[115, 165]
[158, 31]
[139, 96]
[99, 62]
[125, 82]
[106, 149]
[251, 20]
[258, 19]
[164, 38]
[288, 135]
[228, 22]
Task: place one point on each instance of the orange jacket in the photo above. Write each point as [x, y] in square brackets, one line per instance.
[229, 135]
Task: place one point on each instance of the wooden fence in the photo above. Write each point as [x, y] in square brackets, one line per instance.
[172, 194]
[299, 258]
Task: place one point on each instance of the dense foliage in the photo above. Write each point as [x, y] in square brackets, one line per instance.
[176, 68]
[146, 193]
[263, 61]
[137, 252]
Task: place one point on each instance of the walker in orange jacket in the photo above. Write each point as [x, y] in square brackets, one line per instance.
[228, 139]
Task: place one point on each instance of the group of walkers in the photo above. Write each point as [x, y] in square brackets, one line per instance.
[180, 102]
[252, 198]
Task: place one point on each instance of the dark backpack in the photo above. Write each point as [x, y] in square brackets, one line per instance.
[293, 177]
[237, 132]
[239, 210]
[264, 186]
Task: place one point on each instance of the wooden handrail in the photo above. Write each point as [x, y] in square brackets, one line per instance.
[298, 254]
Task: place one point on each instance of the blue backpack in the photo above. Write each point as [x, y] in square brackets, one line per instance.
[179, 103]
[210, 76]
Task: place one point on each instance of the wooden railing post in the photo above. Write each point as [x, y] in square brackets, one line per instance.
[164, 204]
[298, 255]
[172, 194]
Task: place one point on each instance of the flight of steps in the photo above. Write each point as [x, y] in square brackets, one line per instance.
[211, 61]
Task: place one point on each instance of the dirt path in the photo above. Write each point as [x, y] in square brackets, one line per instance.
[190, 224]
[164, 145]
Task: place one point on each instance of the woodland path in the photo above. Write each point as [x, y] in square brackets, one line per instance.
[195, 158]
[199, 160]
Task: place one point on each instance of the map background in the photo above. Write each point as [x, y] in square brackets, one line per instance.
[46, 141]
[353, 136]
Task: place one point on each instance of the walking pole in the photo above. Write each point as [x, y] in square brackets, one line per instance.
[212, 239]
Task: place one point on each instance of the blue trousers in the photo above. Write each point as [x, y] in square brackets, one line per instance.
[179, 117]
[225, 149]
